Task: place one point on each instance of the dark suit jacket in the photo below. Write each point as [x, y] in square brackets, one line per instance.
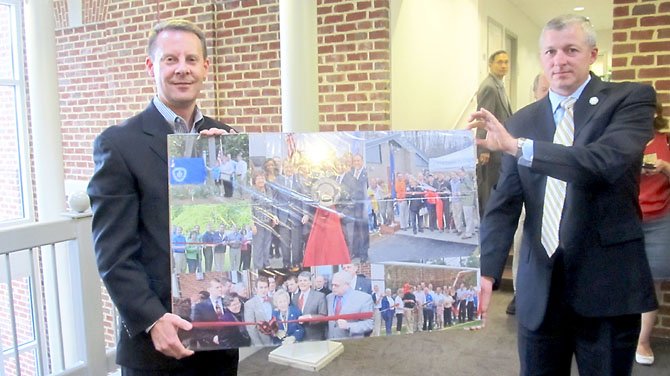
[205, 312]
[129, 197]
[363, 284]
[290, 203]
[606, 270]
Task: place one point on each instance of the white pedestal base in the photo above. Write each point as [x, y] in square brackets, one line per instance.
[310, 356]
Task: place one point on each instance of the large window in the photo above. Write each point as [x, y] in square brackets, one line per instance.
[15, 197]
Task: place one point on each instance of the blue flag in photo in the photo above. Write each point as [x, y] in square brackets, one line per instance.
[188, 171]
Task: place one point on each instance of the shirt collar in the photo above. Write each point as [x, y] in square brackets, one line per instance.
[556, 99]
[171, 117]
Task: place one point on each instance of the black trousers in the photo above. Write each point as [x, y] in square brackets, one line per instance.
[600, 345]
[202, 363]
[447, 316]
[428, 319]
[399, 317]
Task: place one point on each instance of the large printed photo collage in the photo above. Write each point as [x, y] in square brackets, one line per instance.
[280, 238]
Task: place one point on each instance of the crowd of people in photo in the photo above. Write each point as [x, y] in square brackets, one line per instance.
[294, 201]
[294, 311]
[440, 201]
[303, 307]
[196, 251]
[229, 174]
[423, 307]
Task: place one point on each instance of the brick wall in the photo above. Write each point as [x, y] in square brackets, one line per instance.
[641, 52]
[246, 69]
[354, 65]
[102, 79]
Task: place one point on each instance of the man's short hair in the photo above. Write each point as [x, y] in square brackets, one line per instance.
[305, 274]
[179, 25]
[343, 277]
[493, 56]
[561, 22]
[262, 279]
[293, 278]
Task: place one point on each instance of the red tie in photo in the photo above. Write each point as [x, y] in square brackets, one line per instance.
[338, 304]
[301, 301]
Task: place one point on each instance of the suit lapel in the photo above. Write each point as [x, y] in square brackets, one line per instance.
[544, 118]
[155, 126]
[502, 95]
[587, 105]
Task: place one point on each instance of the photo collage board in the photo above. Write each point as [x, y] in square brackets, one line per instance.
[280, 238]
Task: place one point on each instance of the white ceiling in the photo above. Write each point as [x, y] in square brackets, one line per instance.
[541, 11]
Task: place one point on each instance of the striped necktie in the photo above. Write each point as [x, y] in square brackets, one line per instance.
[554, 195]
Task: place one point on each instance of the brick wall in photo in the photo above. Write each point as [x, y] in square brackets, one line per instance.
[641, 52]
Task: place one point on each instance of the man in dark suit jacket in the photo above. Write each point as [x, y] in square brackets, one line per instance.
[129, 196]
[356, 184]
[492, 96]
[209, 310]
[320, 285]
[358, 282]
[291, 214]
[585, 296]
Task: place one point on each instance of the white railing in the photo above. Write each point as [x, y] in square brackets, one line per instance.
[51, 305]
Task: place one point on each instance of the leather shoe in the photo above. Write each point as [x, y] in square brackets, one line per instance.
[645, 360]
[511, 307]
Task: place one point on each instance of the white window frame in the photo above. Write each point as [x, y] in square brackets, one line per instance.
[18, 81]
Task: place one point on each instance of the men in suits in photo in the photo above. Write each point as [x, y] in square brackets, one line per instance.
[583, 277]
[356, 182]
[292, 286]
[312, 304]
[129, 197]
[291, 215]
[345, 300]
[320, 285]
[492, 96]
[259, 309]
[209, 310]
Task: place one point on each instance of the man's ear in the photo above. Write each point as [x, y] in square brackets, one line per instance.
[149, 65]
[594, 55]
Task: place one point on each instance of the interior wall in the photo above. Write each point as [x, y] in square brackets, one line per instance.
[434, 49]
[527, 33]
[438, 59]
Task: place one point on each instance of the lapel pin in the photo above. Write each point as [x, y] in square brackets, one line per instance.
[593, 101]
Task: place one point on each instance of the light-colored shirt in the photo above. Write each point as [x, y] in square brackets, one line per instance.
[399, 304]
[241, 167]
[173, 119]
